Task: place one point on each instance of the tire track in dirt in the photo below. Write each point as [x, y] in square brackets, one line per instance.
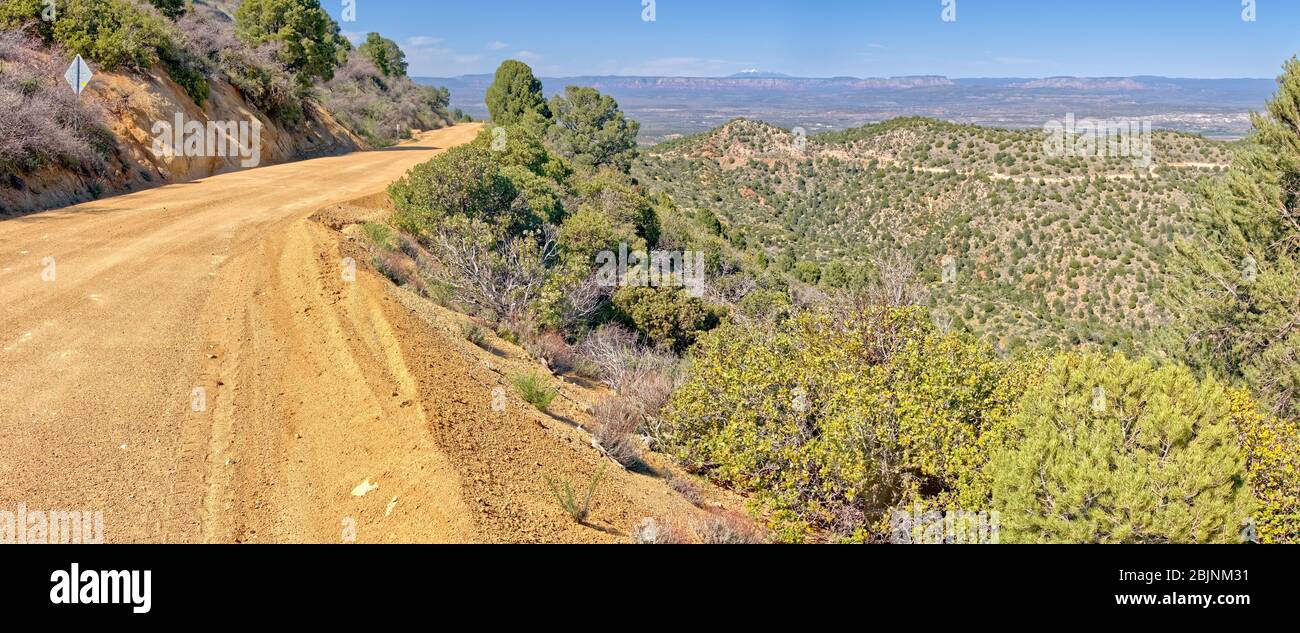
[325, 407]
[190, 285]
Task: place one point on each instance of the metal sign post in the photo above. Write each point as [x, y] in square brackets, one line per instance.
[78, 75]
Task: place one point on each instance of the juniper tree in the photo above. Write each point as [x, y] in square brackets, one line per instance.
[591, 130]
[386, 54]
[310, 42]
[515, 96]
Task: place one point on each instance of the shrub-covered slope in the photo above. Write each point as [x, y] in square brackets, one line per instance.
[1039, 250]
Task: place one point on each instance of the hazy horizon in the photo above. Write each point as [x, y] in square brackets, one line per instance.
[1196, 39]
[669, 107]
[763, 74]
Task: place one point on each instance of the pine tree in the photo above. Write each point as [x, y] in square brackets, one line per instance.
[1116, 451]
[1238, 289]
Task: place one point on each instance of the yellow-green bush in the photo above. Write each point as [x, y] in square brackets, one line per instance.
[1272, 450]
[19, 13]
[1117, 451]
[764, 305]
[832, 420]
[625, 203]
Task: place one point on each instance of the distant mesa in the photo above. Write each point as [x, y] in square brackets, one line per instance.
[758, 74]
[896, 83]
[1083, 83]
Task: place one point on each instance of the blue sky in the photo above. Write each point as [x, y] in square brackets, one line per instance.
[820, 38]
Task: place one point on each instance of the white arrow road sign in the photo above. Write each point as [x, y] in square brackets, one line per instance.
[78, 75]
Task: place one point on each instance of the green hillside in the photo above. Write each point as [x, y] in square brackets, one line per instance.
[1051, 251]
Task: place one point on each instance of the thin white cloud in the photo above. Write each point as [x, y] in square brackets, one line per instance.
[427, 56]
[430, 56]
[496, 46]
[353, 36]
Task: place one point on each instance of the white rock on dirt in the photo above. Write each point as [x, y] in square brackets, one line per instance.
[364, 488]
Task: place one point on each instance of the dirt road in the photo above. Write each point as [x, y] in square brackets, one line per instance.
[192, 362]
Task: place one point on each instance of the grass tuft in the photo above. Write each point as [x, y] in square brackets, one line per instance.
[577, 509]
[380, 235]
[473, 333]
[535, 388]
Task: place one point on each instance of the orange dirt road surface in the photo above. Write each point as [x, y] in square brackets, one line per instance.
[194, 362]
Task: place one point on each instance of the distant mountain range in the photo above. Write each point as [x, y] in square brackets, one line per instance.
[672, 106]
[756, 73]
[740, 81]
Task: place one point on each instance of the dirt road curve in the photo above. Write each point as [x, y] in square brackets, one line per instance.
[221, 284]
